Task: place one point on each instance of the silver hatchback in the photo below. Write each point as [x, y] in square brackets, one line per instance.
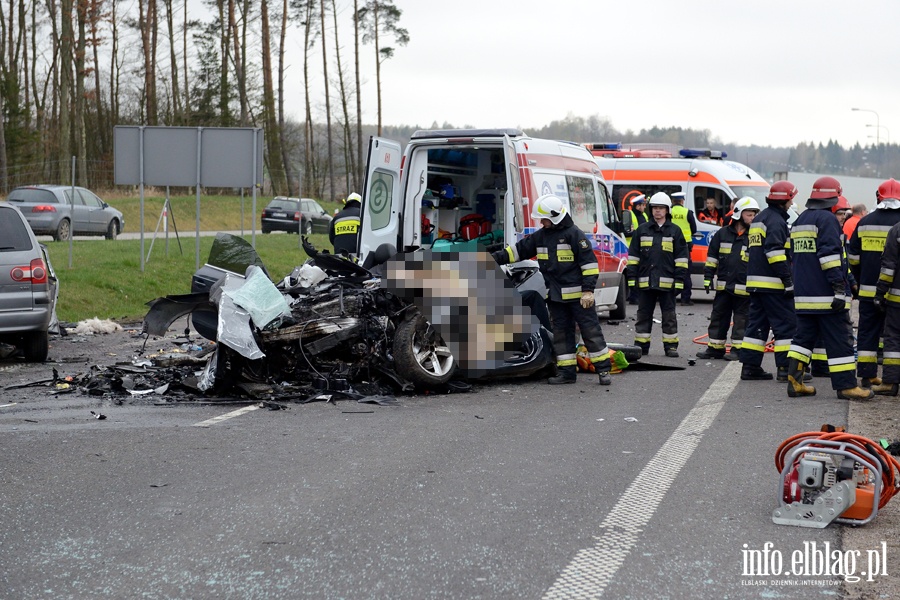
[27, 287]
[53, 210]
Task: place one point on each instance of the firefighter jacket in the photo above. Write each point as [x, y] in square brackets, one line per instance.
[820, 267]
[887, 289]
[769, 252]
[565, 258]
[726, 260]
[344, 231]
[684, 219]
[866, 246]
[657, 257]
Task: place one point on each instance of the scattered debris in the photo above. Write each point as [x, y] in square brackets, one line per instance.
[98, 415]
[95, 325]
[631, 420]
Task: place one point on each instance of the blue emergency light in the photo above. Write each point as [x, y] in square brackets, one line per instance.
[607, 146]
[702, 153]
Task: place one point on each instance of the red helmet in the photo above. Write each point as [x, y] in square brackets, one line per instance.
[842, 204]
[889, 190]
[782, 191]
[825, 188]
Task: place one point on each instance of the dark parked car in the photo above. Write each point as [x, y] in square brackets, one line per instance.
[283, 214]
[318, 216]
[49, 211]
[27, 286]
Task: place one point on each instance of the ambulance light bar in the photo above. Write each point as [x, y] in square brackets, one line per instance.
[605, 146]
[702, 153]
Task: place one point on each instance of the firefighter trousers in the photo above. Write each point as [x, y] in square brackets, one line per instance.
[891, 366]
[868, 339]
[565, 315]
[643, 326]
[836, 331]
[724, 306]
[768, 311]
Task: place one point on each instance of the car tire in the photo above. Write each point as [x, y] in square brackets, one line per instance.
[35, 346]
[63, 231]
[112, 231]
[266, 230]
[420, 355]
[307, 228]
[619, 312]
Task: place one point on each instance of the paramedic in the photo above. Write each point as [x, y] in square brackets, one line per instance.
[344, 232]
[864, 251]
[684, 219]
[710, 214]
[567, 262]
[858, 212]
[822, 296]
[657, 261]
[770, 284]
[727, 262]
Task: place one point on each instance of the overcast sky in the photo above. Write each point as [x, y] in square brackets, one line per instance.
[752, 72]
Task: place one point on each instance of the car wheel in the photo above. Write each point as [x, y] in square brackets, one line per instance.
[420, 354]
[63, 230]
[307, 228]
[112, 231]
[35, 346]
[266, 230]
[618, 313]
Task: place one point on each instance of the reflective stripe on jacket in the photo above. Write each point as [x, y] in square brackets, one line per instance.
[657, 257]
[819, 266]
[769, 252]
[866, 247]
[726, 260]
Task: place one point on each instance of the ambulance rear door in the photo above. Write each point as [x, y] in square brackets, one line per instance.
[382, 208]
[513, 213]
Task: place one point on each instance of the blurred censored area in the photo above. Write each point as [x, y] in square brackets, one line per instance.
[469, 301]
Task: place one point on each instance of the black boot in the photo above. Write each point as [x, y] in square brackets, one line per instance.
[564, 375]
[752, 373]
[711, 353]
[796, 387]
[783, 375]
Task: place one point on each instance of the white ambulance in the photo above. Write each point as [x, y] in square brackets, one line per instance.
[630, 170]
[456, 189]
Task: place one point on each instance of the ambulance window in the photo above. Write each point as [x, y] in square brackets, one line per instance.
[378, 204]
[582, 202]
[514, 192]
[757, 192]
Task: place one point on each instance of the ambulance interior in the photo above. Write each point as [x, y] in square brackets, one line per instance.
[461, 191]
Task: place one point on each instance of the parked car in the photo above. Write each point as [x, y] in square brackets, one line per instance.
[284, 214]
[27, 286]
[49, 211]
[314, 213]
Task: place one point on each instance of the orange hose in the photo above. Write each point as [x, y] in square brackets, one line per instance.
[770, 345]
[890, 465]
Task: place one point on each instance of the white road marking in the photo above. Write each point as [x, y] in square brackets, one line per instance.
[592, 569]
[226, 416]
[5, 405]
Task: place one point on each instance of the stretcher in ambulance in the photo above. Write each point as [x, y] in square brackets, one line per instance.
[460, 189]
[630, 170]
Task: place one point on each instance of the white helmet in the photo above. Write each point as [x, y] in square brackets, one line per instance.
[661, 199]
[549, 207]
[352, 197]
[745, 203]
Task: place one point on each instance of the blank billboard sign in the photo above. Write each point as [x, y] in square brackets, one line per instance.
[170, 156]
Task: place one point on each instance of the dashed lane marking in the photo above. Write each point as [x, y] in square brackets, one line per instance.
[226, 416]
[592, 569]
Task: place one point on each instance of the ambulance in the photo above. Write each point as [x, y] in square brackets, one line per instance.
[461, 189]
[630, 170]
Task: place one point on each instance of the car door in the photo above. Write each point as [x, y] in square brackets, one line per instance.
[97, 218]
[81, 218]
[380, 221]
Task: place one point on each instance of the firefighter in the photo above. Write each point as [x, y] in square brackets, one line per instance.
[344, 232]
[567, 262]
[631, 220]
[822, 296]
[684, 219]
[727, 262]
[865, 249]
[770, 284]
[657, 262]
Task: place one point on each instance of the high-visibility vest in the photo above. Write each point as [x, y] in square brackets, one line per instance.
[680, 218]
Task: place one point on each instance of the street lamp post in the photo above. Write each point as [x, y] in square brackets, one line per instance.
[880, 127]
[877, 121]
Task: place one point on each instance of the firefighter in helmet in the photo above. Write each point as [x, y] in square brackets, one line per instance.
[822, 296]
[567, 261]
[344, 231]
[865, 250]
[770, 284]
[657, 262]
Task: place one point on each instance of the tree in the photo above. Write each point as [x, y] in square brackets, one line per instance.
[273, 139]
[349, 158]
[327, 101]
[357, 175]
[285, 159]
[149, 26]
[378, 19]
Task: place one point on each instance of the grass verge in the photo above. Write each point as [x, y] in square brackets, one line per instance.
[105, 279]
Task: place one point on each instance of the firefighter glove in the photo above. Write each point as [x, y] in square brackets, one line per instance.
[839, 303]
[789, 291]
[854, 290]
[706, 286]
[587, 299]
[878, 301]
[499, 256]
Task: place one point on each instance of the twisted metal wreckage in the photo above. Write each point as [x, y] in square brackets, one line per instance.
[332, 329]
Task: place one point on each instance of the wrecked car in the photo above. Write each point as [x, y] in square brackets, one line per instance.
[332, 324]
